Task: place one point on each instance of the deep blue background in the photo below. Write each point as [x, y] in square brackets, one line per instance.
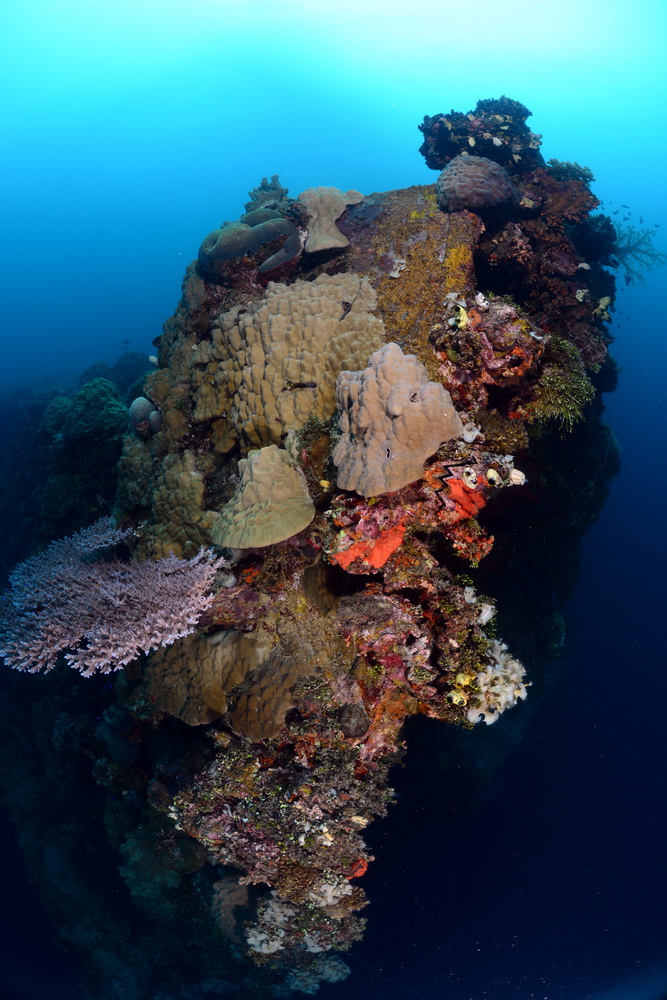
[133, 129]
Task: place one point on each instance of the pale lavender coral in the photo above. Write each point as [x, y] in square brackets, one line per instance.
[103, 610]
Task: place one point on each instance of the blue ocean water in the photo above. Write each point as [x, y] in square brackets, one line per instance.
[133, 128]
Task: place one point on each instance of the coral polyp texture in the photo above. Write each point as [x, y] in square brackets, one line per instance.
[314, 530]
[272, 503]
[473, 182]
[392, 418]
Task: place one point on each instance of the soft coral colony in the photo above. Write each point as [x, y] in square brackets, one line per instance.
[346, 383]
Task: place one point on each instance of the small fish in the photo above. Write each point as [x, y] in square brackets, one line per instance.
[657, 225]
[625, 206]
[640, 220]
[625, 218]
[616, 212]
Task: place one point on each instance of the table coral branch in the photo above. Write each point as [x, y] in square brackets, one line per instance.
[103, 610]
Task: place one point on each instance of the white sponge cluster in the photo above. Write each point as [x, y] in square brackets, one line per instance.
[269, 933]
[501, 685]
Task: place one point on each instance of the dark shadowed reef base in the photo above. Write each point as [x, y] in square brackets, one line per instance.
[194, 822]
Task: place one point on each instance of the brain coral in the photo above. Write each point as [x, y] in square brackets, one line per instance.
[473, 182]
[392, 419]
[272, 364]
[271, 502]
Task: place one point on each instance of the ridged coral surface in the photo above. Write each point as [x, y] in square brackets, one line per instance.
[192, 679]
[271, 502]
[392, 419]
[267, 696]
[271, 365]
[473, 182]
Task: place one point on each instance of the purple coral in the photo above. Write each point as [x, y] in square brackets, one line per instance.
[473, 182]
[72, 596]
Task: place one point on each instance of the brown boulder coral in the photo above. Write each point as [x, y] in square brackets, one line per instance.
[473, 182]
[192, 678]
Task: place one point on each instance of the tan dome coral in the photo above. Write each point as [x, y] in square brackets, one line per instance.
[268, 694]
[272, 364]
[271, 503]
[192, 678]
[325, 205]
[392, 419]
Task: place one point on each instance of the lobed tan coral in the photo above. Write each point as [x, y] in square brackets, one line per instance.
[178, 525]
[193, 677]
[392, 419]
[325, 205]
[272, 364]
[271, 503]
[268, 695]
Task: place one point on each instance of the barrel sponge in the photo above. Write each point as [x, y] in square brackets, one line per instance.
[192, 678]
[271, 503]
[392, 418]
[473, 182]
[272, 364]
[325, 205]
[267, 695]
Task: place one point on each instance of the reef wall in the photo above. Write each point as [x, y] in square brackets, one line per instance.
[352, 394]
